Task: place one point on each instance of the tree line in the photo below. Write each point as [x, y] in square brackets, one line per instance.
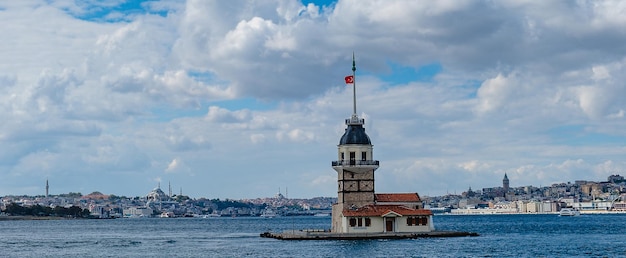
[45, 211]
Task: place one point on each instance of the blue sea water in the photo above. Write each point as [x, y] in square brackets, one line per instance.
[500, 236]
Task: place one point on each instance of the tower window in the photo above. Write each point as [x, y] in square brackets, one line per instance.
[364, 155]
[342, 156]
[352, 158]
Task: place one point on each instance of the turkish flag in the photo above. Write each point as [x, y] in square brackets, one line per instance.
[349, 79]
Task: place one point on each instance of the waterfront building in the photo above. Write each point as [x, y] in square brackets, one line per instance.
[359, 209]
[136, 212]
[521, 207]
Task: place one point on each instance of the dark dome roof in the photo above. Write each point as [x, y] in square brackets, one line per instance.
[355, 134]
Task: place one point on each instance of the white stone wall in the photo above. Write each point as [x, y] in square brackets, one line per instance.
[337, 226]
[378, 225]
[357, 149]
[401, 226]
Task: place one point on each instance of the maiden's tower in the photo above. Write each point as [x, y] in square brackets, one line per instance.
[359, 209]
[360, 212]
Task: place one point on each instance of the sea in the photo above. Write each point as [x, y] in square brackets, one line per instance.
[546, 235]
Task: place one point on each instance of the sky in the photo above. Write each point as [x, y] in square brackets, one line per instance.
[243, 99]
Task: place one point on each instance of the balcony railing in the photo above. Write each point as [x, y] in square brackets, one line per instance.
[354, 163]
[355, 121]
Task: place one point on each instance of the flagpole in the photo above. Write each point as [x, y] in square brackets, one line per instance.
[353, 87]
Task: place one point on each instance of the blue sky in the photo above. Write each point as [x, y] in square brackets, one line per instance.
[114, 11]
[236, 99]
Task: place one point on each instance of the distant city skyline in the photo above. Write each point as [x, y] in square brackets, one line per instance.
[284, 191]
[234, 99]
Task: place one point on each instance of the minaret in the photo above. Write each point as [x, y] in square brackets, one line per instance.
[505, 184]
[355, 165]
[47, 188]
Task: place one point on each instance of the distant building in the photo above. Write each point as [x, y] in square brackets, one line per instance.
[505, 183]
[159, 200]
[615, 179]
[157, 195]
[138, 212]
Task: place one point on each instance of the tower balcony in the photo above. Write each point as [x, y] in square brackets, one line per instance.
[356, 163]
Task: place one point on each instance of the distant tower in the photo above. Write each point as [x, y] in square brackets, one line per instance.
[170, 186]
[47, 188]
[470, 193]
[505, 183]
[355, 165]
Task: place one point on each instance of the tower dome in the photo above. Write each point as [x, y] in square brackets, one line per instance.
[355, 134]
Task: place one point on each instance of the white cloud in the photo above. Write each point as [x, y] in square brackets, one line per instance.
[474, 165]
[527, 88]
[495, 92]
[173, 166]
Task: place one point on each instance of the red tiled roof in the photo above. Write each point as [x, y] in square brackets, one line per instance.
[398, 197]
[380, 210]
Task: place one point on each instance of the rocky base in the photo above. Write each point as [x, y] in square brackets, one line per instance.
[320, 235]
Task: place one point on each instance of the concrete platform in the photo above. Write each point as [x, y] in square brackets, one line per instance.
[325, 235]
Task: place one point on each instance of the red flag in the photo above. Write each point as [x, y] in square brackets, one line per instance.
[349, 79]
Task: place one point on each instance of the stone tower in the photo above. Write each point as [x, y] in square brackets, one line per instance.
[355, 164]
[505, 184]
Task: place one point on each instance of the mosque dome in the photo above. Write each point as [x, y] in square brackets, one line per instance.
[355, 134]
[157, 195]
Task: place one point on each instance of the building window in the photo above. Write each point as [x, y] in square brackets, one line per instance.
[364, 155]
[342, 156]
[410, 221]
[360, 222]
[416, 221]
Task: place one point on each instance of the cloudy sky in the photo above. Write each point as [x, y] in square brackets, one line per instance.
[241, 99]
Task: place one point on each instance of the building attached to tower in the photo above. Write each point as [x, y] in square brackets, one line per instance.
[359, 209]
